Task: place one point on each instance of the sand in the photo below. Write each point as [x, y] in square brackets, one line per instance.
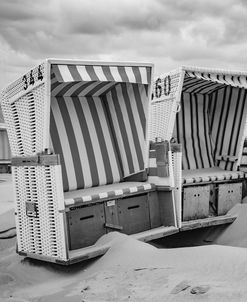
[132, 270]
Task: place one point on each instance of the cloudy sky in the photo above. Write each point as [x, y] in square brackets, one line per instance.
[169, 33]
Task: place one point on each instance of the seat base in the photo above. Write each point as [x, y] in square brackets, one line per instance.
[207, 222]
[102, 246]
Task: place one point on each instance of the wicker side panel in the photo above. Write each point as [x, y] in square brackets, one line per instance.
[25, 83]
[41, 187]
[25, 122]
[177, 173]
[160, 119]
[24, 109]
[165, 104]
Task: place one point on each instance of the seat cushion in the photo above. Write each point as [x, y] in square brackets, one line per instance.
[209, 174]
[106, 192]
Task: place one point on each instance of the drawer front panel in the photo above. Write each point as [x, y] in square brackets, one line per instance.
[86, 225]
[228, 196]
[133, 214]
[196, 202]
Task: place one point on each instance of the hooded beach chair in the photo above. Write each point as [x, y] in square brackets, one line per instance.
[204, 110]
[80, 159]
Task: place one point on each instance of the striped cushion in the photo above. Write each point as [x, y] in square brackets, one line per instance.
[209, 174]
[127, 106]
[80, 133]
[192, 131]
[106, 192]
[227, 112]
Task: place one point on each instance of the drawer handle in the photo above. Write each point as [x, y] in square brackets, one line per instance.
[134, 207]
[87, 217]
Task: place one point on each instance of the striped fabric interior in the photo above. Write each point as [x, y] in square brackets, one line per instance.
[98, 122]
[227, 113]
[211, 121]
[127, 108]
[81, 134]
[192, 131]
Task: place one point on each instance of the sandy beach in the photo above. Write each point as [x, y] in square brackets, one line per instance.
[131, 270]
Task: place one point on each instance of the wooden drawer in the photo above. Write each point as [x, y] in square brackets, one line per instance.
[196, 202]
[229, 195]
[85, 225]
[133, 213]
[129, 215]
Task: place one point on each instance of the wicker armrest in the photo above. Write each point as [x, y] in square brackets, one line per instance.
[37, 160]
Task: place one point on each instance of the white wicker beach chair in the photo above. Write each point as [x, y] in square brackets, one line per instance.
[205, 110]
[78, 136]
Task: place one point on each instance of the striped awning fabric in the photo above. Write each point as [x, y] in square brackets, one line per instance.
[79, 80]
[201, 86]
[88, 73]
[206, 82]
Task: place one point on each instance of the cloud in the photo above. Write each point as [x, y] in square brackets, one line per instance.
[168, 33]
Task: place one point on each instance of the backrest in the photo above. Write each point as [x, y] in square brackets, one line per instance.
[127, 105]
[192, 131]
[81, 134]
[227, 115]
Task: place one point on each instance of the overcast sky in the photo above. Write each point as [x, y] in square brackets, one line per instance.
[169, 33]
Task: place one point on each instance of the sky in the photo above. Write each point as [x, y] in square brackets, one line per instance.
[168, 33]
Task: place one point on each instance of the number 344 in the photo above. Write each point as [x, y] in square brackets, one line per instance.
[27, 82]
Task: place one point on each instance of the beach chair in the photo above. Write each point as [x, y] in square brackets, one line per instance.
[205, 110]
[80, 159]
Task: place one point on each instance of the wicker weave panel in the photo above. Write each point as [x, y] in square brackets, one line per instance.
[20, 84]
[41, 187]
[164, 105]
[24, 113]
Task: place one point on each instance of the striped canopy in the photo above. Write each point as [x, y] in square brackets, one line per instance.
[98, 122]
[207, 81]
[212, 118]
[83, 80]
